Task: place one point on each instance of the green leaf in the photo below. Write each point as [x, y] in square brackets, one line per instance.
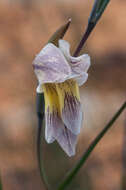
[101, 10]
[97, 10]
[89, 150]
[99, 4]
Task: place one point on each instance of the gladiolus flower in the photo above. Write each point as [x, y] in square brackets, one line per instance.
[59, 76]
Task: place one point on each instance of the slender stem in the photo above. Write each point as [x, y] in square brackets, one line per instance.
[123, 180]
[39, 152]
[97, 11]
[40, 106]
[89, 150]
[0, 184]
[84, 38]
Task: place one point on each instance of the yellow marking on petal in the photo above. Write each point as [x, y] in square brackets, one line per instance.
[69, 87]
[51, 97]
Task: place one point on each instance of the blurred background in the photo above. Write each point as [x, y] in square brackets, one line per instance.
[25, 27]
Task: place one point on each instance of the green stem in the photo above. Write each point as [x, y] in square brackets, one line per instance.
[39, 154]
[0, 185]
[89, 150]
[123, 178]
[40, 106]
[89, 29]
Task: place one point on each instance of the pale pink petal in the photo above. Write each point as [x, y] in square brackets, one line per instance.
[56, 130]
[51, 119]
[51, 66]
[72, 114]
[64, 46]
[81, 79]
[67, 141]
[79, 65]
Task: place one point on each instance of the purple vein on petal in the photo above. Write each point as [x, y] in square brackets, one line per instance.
[72, 113]
[56, 130]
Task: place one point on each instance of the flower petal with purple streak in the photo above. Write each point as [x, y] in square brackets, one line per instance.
[70, 107]
[56, 130]
[72, 114]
